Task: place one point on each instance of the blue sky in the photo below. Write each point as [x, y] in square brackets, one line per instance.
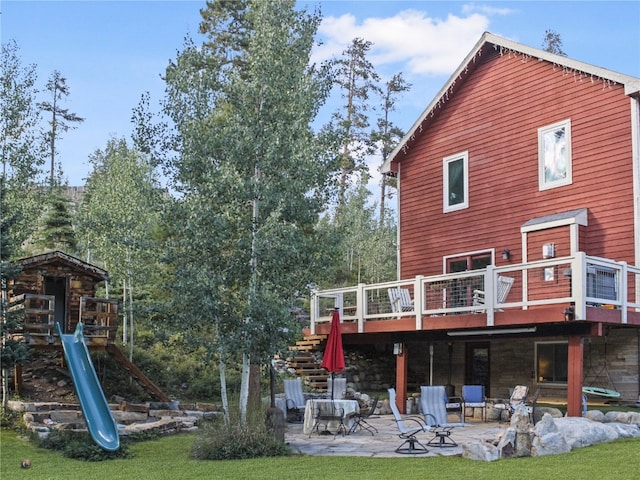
[112, 51]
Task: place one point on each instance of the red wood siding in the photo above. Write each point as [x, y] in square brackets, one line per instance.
[494, 114]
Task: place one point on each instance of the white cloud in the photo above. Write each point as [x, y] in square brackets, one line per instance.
[423, 45]
[486, 9]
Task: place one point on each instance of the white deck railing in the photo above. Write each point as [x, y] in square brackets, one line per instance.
[580, 281]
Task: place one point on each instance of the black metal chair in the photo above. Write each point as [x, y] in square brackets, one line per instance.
[360, 419]
[326, 413]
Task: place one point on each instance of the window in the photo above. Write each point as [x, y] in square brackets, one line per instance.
[551, 362]
[455, 173]
[554, 155]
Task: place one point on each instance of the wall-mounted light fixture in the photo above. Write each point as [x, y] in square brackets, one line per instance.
[397, 348]
[569, 314]
[549, 250]
[506, 254]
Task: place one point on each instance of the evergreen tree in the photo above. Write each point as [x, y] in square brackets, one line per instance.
[61, 118]
[357, 81]
[552, 42]
[57, 231]
[388, 134]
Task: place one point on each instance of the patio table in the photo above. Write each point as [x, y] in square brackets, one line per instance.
[350, 407]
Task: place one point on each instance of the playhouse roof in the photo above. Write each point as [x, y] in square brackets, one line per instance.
[503, 46]
[58, 257]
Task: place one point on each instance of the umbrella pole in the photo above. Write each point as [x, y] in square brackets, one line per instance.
[333, 384]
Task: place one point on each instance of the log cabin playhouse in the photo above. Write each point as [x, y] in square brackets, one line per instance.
[56, 287]
[518, 233]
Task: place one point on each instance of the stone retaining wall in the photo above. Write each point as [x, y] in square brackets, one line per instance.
[160, 418]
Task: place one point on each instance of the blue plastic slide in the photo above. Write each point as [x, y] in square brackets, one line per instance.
[97, 415]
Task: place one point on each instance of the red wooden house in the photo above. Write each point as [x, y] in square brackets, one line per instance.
[519, 233]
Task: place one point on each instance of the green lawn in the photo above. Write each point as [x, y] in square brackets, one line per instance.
[167, 458]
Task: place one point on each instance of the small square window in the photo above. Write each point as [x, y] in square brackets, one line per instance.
[554, 155]
[455, 178]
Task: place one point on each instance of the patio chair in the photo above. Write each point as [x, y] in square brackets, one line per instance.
[360, 419]
[326, 413]
[504, 286]
[454, 406]
[411, 444]
[295, 399]
[400, 300]
[338, 386]
[518, 396]
[473, 397]
[433, 402]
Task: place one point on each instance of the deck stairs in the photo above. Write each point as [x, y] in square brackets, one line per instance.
[305, 363]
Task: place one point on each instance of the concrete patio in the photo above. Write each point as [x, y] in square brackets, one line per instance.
[384, 443]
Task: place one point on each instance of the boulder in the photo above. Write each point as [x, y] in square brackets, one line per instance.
[547, 438]
[595, 415]
[520, 422]
[625, 431]
[539, 412]
[480, 451]
[507, 443]
[623, 417]
[582, 432]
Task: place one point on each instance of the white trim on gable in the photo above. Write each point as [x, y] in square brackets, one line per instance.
[631, 84]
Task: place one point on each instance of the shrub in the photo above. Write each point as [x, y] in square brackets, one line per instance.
[80, 446]
[221, 441]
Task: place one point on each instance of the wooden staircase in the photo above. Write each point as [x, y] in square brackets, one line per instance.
[136, 373]
[305, 363]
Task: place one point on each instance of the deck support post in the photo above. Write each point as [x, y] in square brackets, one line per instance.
[402, 364]
[575, 372]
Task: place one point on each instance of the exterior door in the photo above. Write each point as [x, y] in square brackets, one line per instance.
[477, 359]
[460, 294]
[57, 286]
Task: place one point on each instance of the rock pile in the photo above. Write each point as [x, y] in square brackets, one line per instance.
[157, 417]
[551, 436]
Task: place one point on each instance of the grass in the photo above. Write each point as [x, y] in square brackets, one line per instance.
[168, 458]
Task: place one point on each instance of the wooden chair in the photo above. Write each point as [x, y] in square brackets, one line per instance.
[504, 286]
[400, 299]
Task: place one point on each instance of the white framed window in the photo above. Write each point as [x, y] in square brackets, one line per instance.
[455, 180]
[554, 155]
[552, 362]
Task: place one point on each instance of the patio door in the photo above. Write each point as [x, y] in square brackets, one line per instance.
[477, 362]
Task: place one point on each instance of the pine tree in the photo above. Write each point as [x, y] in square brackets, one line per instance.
[61, 118]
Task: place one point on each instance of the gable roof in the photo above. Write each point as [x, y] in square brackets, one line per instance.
[61, 257]
[493, 44]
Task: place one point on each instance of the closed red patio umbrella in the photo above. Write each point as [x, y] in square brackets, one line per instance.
[333, 359]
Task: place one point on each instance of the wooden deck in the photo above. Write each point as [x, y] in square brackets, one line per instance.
[567, 292]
